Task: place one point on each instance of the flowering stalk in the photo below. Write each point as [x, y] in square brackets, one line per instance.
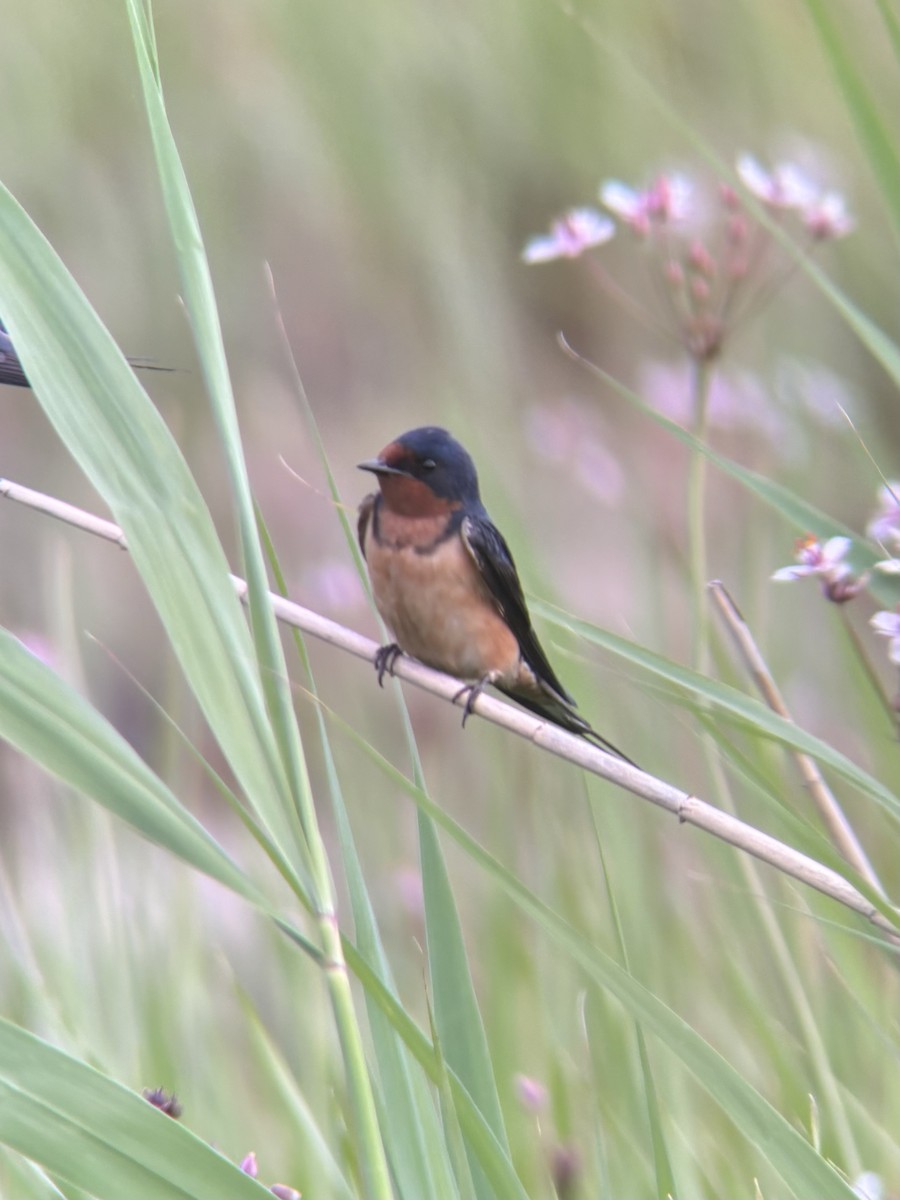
[701, 371]
[711, 270]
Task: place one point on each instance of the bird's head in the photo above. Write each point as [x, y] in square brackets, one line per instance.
[424, 473]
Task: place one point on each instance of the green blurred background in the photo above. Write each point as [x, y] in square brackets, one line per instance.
[388, 162]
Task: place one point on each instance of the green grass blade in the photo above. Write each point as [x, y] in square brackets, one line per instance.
[111, 428]
[877, 139]
[665, 1177]
[297, 806]
[492, 1157]
[201, 305]
[321, 1173]
[412, 1131]
[97, 1135]
[456, 1012]
[456, 1145]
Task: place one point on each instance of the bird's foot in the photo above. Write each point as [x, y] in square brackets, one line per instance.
[385, 658]
[474, 691]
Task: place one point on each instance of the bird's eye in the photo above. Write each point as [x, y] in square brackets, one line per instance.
[428, 464]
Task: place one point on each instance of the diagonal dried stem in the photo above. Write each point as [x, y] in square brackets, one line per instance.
[687, 808]
[839, 828]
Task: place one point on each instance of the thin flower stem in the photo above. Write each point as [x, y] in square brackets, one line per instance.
[701, 378]
[617, 293]
[688, 808]
[839, 828]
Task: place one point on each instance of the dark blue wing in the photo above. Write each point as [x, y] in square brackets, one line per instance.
[488, 548]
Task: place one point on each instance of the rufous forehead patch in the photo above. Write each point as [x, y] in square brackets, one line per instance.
[393, 453]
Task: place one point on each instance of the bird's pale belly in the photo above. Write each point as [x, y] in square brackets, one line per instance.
[439, 611]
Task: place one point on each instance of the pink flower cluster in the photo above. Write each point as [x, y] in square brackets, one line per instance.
[711, 271]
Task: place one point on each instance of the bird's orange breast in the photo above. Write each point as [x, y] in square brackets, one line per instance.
[436, 604]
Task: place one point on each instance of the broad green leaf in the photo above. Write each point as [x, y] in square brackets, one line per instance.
[97, 1135]
[201, 305]
[111, 428]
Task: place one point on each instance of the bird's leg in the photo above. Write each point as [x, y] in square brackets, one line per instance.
[474, 690]
[385, 658]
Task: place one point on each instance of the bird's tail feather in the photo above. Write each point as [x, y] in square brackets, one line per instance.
[560, 714]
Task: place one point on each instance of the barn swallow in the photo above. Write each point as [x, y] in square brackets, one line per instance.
[445, 582]
[11, 371]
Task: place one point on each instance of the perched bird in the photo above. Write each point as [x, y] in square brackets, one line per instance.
[445, 582]
[11, 371]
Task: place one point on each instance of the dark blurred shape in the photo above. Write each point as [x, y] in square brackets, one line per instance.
[166, 1102]
[11, 368]
[565, 1170]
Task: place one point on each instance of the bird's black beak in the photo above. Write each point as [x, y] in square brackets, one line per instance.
[379, 467]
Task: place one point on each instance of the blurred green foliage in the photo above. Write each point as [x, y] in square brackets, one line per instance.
[388, 162]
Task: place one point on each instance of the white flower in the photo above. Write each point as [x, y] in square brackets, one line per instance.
[838, 581]
[815, 559]
[887, 624]
[576, 231]
[868, 1186]
[785, 186]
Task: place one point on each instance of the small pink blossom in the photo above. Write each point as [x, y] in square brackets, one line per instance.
[282, 1191]
[576, 231]
[826, 218]
[667, 199]
[828, 562]
[785, 186]
[531, 1094]
[887, 624]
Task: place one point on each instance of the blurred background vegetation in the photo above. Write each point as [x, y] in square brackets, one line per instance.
[389, 162]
